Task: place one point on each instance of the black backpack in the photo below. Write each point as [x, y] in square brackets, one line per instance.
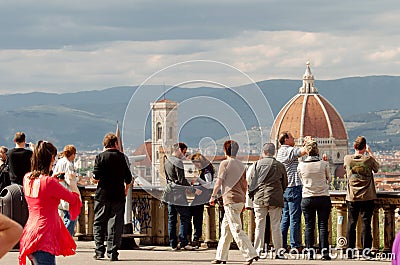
[4, 176]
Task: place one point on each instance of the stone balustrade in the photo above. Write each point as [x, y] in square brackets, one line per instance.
[150, 218]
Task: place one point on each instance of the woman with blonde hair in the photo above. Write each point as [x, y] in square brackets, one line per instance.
[44, 235]
[315, 176]
[65, 164]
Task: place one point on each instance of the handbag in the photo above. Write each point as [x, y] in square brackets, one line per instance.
[167, 195]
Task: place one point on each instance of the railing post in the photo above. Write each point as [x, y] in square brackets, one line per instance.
[375, 230]
[389, 233]
[81, 227]
[251, 225]
[90, 217]
[160, 223]
[211, 228]
[86, 233]
[341, 240]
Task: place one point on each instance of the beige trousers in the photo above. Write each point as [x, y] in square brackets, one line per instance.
[231, 228]
[275, 214]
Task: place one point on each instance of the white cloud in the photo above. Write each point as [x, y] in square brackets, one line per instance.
[69, 46]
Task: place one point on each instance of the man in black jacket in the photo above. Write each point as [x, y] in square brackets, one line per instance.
[113, 178]
[19, 159]
[175, 174]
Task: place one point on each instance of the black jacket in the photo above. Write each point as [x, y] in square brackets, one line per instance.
[112, 170]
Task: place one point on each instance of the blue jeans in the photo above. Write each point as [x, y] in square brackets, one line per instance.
[291, 216]
[43, 258]
[322, 206]
[184, 215]
[70, 224]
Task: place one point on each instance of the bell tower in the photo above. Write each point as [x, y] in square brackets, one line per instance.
[164, 133]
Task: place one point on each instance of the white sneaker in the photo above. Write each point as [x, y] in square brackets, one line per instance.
[187, 247]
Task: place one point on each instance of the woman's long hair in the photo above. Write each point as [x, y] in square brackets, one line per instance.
[68, 151]
[205, 163]
[43, 154]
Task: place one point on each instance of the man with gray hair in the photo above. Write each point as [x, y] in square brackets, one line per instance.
[266, 187]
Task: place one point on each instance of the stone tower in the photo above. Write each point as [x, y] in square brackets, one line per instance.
[164, 117]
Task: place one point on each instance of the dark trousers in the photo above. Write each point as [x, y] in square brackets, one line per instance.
[196, 214]
[184, 215]
[366, 209]
[108, 224]
[43, 258]
[320, 205]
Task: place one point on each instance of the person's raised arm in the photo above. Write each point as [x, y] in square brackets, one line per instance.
[375, 164]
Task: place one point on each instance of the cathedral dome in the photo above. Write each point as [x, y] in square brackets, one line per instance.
[309, 113]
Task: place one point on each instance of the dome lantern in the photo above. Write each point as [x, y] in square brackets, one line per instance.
[308, 82]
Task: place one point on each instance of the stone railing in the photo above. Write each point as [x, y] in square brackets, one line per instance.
[387, 201]
[150, 221]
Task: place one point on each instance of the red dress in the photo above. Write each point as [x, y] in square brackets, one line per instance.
[44, 229]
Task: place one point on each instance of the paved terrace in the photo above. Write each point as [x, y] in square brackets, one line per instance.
[163, 255]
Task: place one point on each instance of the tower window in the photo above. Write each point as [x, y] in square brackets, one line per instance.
[158, 131]
[170, 133]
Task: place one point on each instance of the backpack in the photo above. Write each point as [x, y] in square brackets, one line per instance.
[4, 176]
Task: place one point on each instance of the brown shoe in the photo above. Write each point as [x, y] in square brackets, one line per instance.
[250, 261]
[216, 261]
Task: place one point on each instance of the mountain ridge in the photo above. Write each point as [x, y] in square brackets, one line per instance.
[82, 118]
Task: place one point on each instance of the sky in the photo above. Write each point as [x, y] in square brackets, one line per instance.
[69, 46]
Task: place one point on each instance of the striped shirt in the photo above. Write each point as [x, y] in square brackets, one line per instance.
[289, 157]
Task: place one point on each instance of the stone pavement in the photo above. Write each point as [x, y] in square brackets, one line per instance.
[158, 255]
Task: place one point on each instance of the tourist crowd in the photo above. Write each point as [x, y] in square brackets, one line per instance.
[280, 187]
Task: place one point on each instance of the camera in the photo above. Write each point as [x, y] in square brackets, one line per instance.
[61, 176]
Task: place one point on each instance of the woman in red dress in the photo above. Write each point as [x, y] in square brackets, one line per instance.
[45, 235]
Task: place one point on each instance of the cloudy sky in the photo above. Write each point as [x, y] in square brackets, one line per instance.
[61, 46]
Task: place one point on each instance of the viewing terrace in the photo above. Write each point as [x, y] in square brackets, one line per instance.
[151, 227]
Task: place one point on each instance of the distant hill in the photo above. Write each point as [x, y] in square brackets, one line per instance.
[381, 128]
[368, 105]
